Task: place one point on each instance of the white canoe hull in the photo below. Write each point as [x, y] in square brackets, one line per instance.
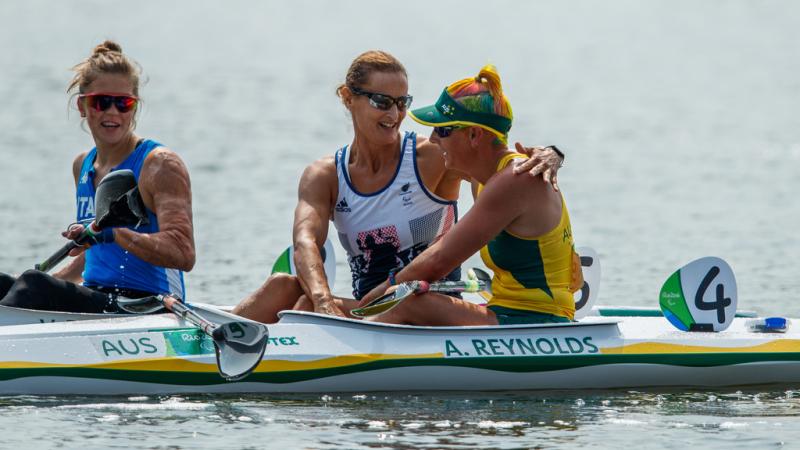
[313, 353]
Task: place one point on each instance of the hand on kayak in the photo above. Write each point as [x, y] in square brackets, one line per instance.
[328, 306]
[542, 160]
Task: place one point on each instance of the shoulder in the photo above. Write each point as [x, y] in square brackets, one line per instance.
[161, 153]
[164, 171]
[506, 181]
[162, 159]
[77, 163]
[319, 182]
[320, 175]
[430, 157]
[436, 177]
[322, 168]
[426, 148]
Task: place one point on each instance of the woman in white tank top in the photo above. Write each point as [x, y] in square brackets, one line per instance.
[411, 218]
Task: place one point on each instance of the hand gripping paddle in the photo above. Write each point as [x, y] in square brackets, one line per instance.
[117, 203]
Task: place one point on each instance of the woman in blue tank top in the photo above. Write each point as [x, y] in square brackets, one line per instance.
[129, 261]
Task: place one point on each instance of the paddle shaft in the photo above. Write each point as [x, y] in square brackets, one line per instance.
[388, 301]
[184, 312]
[453, 286]
[63, 252]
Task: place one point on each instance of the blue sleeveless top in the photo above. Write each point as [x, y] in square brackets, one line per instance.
[109, 265]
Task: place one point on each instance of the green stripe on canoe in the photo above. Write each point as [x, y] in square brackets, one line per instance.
[610, 311]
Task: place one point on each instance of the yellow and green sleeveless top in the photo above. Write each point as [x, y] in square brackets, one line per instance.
[537, 274]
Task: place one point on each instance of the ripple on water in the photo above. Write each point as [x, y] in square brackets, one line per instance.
[168, 405]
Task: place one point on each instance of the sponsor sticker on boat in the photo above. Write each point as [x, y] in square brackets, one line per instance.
[188, 342]
[284, 341]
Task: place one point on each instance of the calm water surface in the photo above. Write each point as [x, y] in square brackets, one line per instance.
[680, 123]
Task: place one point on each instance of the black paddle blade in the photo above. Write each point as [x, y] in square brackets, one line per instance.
[111, 187]
[127, 210]
[239, 348]
[118, 202]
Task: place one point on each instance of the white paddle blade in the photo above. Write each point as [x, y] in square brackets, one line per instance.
[587, 295]
[700, 296]
[285, 262]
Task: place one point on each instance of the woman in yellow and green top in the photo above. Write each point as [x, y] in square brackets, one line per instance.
[520, 224]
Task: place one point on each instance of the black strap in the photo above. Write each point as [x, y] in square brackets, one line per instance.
[558, 151]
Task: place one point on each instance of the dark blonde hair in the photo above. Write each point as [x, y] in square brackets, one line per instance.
[366, 64]
[106, 58]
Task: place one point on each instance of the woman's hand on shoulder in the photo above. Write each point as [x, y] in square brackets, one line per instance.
[542, 161]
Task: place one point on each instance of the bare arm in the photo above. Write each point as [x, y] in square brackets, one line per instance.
[316, 194]
[445, 182]
[166, 190]
[503, 199]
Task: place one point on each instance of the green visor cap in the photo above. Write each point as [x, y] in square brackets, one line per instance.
[447, 112]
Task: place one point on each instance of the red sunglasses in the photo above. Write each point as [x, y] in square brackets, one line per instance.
[101, 102]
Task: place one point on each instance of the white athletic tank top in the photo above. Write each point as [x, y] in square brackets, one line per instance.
[383, 231]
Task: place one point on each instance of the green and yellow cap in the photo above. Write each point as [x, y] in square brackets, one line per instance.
[447, 112]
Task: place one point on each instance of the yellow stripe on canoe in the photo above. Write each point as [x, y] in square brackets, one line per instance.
[776, 346]
[172, 364]
[169, 364]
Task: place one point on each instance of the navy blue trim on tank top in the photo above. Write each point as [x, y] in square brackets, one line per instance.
[424, 189]
[394, 177]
